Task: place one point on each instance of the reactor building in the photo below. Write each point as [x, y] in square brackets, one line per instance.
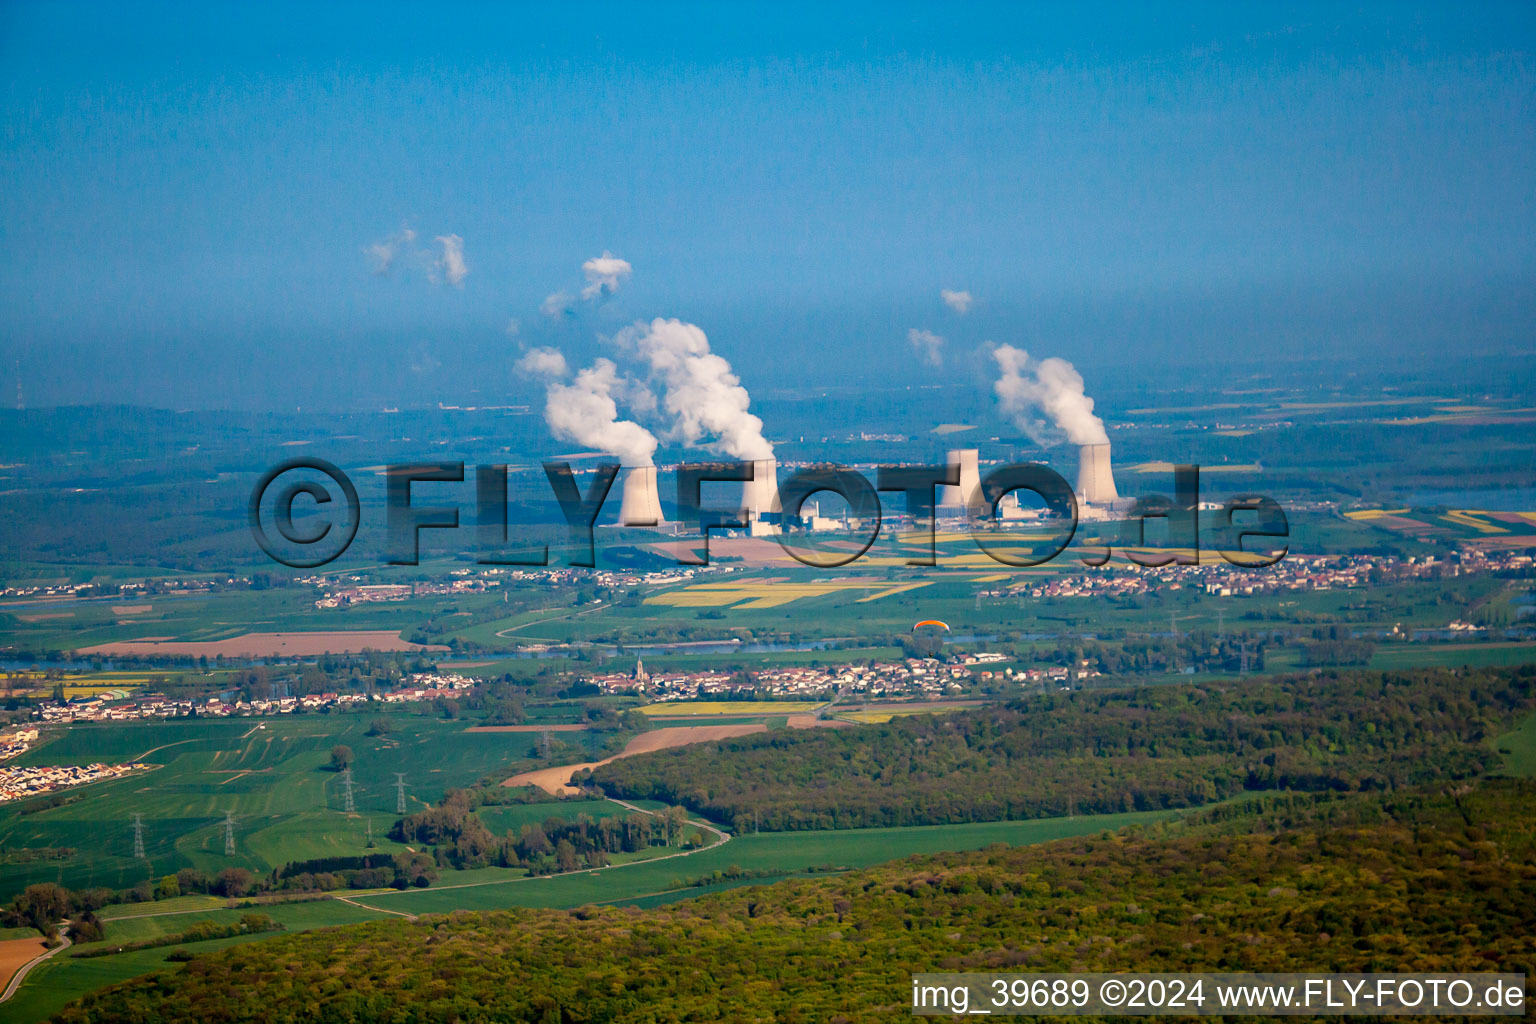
[640, 502]
[1095, 480]
[956, 501]
[760, 497]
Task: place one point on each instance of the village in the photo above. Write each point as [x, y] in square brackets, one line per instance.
[1293, 573]
[908, 679]
[17, 783]
[342, 593]
[423, 686]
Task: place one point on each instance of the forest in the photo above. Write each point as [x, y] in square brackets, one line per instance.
[1096, 751]
[1432, 880]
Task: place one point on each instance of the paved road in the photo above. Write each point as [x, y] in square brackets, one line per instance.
[16, 978]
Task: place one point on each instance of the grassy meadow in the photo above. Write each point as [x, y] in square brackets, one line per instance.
[1519, 749]
[273, 774]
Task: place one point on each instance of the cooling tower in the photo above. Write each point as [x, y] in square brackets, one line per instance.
[641, 504]
[1095, 481]
[956, 499]
[760, 495]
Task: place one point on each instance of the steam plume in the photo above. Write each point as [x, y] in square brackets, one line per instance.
[704, 398]
[586, 410]
[1051, 388]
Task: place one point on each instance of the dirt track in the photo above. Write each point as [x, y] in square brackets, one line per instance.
[561, 727]
[557, 780]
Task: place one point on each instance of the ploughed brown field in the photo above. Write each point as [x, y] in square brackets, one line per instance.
[755, 552]
[557, 780]
[265, 645]
[812, 722]
[15, 952]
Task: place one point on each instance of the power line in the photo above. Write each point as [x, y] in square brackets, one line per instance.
[138, 837]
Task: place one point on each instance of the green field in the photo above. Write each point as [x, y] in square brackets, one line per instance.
[1472, 655]
[1519, 749]
[512, 817]
[69, 625]
[778, 852]
[272, 773]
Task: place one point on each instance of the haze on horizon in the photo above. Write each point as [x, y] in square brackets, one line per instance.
[278, 206]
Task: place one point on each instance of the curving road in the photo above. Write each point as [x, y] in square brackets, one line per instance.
[721, 837]
[21, 972]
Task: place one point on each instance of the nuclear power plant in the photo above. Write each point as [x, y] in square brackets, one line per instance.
[760, 497]
[956, 500]
[1095, 481]
[641, 502]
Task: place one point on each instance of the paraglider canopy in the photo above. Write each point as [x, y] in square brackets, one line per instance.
[930, 622]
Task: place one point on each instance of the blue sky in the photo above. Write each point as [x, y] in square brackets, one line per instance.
[189, 190]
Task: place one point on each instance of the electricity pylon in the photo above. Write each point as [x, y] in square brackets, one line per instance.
[138, 837]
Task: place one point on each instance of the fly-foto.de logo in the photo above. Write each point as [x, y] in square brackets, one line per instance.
[331, 511]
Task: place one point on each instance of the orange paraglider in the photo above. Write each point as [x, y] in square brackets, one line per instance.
[930, 622]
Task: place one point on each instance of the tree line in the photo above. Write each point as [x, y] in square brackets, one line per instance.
[460, 838]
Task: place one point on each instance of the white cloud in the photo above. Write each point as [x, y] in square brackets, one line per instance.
[960, 302]
[382, 253]
[557, 304]
[451, 262]
[400, 249]
[603, 275]
[928, 345]
[546, 363]
[514, 327]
